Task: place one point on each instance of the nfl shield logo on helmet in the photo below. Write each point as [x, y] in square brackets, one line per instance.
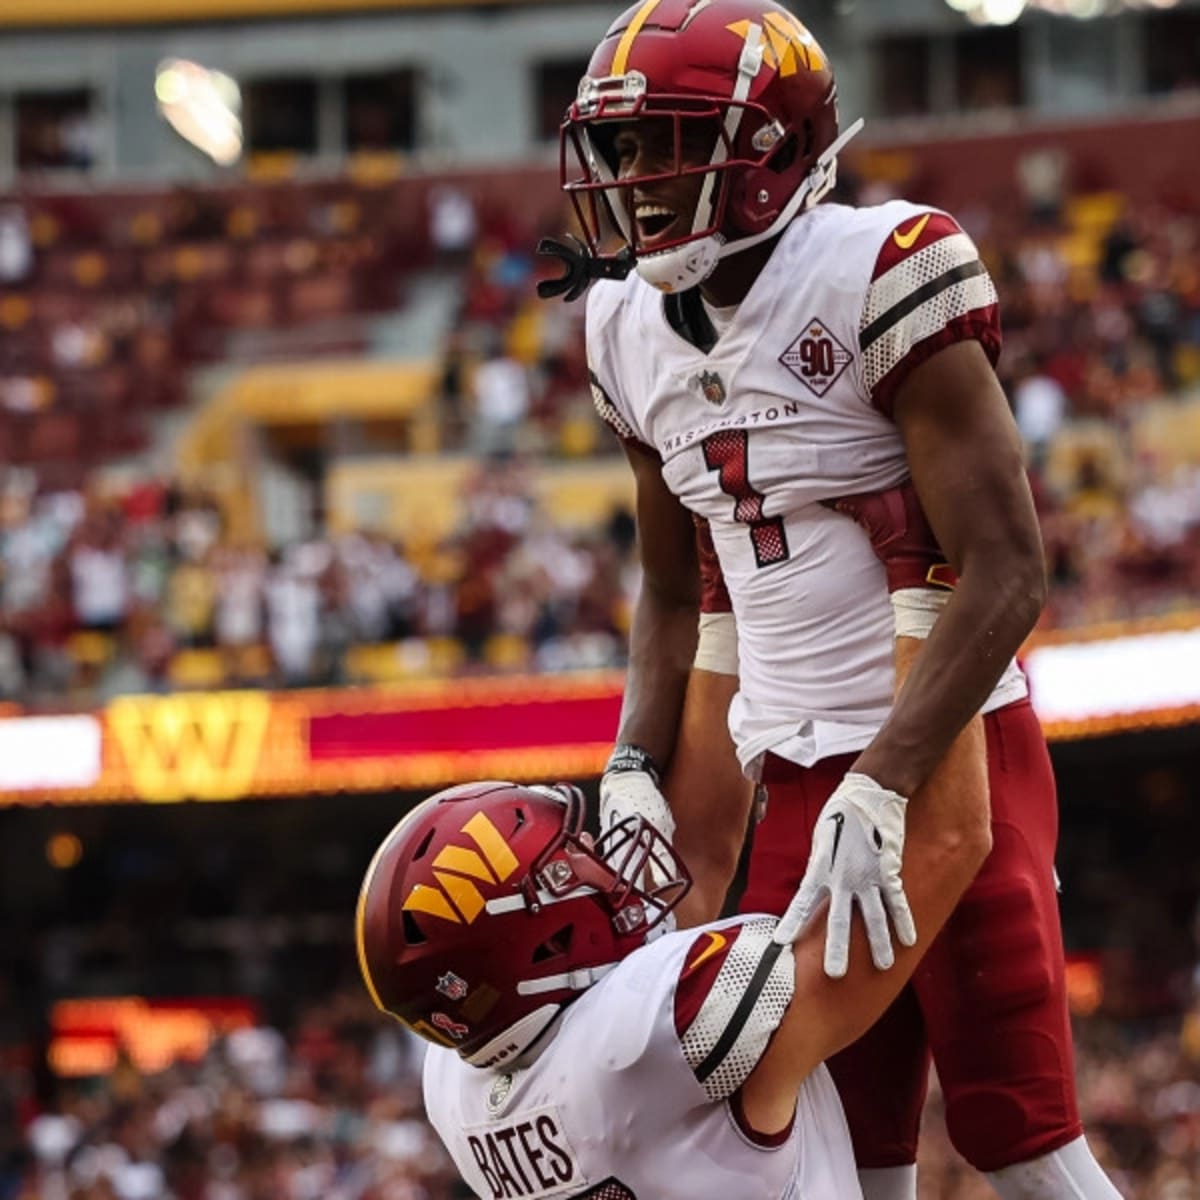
[711, 386]
[452, 986]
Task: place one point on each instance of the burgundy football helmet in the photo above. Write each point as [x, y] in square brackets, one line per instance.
[749, 73]
[485, 911]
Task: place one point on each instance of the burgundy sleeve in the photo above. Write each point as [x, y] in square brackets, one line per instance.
[714, 595]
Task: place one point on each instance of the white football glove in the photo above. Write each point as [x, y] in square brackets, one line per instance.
[633, 794]
[856, 854]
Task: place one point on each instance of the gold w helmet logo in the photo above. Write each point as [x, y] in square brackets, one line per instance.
[458, 899]
[787, 44]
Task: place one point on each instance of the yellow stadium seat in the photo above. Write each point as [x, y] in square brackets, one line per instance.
[373, 663]
[446, 655]
[412, 658]
[525, 334]
[196, 669]
[1096, 212]
[15, 311]
[507, 652]
[578, 435]
[271, 166]
[1187, 364]
[90, 649]
[252, 662]
[1081, 250]
[1170, 432]
[375, 168]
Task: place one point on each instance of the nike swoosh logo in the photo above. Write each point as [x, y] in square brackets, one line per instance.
[716, 943]
[905, 240]
[839, 819]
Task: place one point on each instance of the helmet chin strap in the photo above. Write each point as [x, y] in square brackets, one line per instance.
[510, 1044]
[683, 267]
[513, 1043]
[578, 980]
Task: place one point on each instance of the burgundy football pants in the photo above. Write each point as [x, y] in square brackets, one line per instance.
[988, 999]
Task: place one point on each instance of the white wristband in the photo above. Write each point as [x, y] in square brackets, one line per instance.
[917, 610]
[716, 646]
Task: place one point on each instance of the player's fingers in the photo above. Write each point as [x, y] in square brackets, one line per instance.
[878, 933]
[902, 918]
[837, 935]
[797, 914]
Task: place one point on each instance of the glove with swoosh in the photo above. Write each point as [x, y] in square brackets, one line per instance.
[858, 845]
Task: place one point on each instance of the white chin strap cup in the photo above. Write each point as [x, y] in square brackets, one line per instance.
[683, 267]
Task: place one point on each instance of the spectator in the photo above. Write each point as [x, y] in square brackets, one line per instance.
[239, 617]
[16, 247]
[1040, 405]
[99, 574]
[453, 225]
[500, 403]
[293, 608]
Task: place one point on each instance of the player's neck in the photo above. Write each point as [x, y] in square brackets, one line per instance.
[734, 277]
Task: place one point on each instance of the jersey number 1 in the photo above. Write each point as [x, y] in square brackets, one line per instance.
[728, 453]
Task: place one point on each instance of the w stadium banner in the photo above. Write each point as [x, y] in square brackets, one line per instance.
[237, 745]
[423, 735]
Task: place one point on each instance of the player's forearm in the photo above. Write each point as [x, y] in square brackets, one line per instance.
[982, 627]
[662, 644]
[709, 796]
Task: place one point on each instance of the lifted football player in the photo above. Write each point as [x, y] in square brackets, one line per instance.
[581, 1054]
[768, 361]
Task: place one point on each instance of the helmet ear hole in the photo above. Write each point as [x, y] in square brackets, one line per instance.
[785, 156]
[809, 137]
[412, 931]
[555, 946]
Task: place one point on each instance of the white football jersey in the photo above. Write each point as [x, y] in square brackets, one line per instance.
[634, 1096]
[790, 408]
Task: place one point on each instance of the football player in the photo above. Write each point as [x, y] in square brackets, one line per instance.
[767, 361]
[581, 1050]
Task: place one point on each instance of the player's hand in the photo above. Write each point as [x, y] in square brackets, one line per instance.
[857, 850]
[630, 793]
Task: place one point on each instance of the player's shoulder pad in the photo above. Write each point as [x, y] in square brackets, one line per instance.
[609, 307]
[605, 299]
[733, 989]
[923, 238]
[927, 288]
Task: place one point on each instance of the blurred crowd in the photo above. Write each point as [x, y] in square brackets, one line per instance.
[110, 299]
[140, 585]
[332, 1111]
[1139, 1095]
[1101, 310]
[145, 590]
